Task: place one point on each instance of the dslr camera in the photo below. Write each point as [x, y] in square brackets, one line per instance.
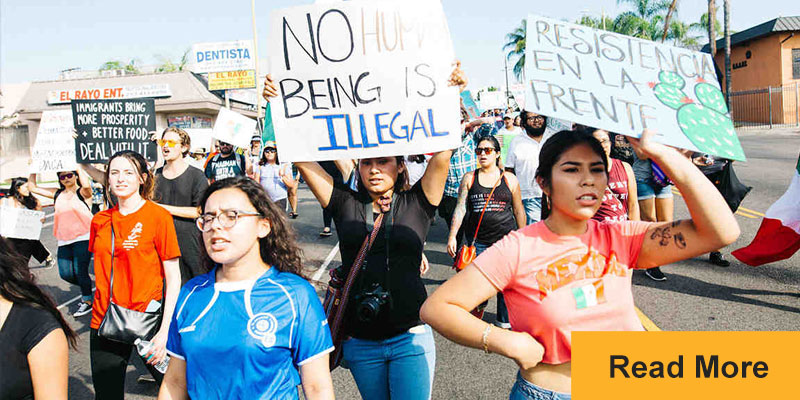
[370, 301]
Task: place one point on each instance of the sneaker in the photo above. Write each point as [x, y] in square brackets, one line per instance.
[83, 309]
[715, 258]
[50, 262]
[293, 215]
[655, 274]
[146, 378]
[326, 232]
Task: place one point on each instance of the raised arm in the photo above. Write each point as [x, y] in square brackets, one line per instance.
[458, 213]
[320, 183]
[633, 195]
[435, 177]
[96, 174]
[35, 189]
[712, 225]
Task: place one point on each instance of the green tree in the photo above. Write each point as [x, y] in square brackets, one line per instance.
[645, 21]
[605, 22]
[167, 65]
[129, 68]
[515, 44]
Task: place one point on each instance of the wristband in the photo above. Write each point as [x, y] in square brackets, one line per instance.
[486, 338]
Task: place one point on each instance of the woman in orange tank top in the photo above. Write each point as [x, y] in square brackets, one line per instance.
[569, 272]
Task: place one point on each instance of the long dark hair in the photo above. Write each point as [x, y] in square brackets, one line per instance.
[147, 188]
[551, 152]
[495, 143]
[279, 248]
[18, 285]
[263, 160]
[400, 184]
[28, 201]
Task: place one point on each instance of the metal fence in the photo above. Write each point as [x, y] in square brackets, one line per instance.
[767, 108]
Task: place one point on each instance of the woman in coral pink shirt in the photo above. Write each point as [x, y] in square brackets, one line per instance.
[569, 272]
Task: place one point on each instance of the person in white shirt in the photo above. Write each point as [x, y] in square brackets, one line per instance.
[523, 159]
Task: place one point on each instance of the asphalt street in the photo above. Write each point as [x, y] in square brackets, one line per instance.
[696, 296]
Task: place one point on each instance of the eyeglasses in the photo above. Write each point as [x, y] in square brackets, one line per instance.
[535, 117]
[270, 150]
[68, 175]
[168, 143]
[484, 150]
[226, 218]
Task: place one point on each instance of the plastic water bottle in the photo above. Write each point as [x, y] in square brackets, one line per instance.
[143, 347]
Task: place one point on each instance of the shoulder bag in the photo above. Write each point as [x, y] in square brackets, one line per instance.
[467, 252]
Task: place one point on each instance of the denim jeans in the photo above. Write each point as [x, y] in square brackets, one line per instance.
[73, 266]
[400, 367]
[533, 209]
[502, 311]
[524, 390]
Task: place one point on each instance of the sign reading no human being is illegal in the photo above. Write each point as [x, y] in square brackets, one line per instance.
[625, 85]
[105, 127]
[362, 79]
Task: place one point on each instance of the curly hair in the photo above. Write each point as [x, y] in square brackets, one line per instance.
[279, 248]
[186, 140]
[18, 285]
[146, 189]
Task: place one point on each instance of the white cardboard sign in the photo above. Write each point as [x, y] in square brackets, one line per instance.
[54, 149]
[222, 56]
[493, 100]
[20, 223]
[363, 79]
[623, 84]
[201, 138]
[233, 128]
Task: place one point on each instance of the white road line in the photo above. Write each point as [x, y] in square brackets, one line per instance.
[46, 224]
[327, 261]
[72, 300]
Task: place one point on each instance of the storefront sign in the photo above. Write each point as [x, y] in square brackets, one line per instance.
[222, 56]
[115, 92]
[231, 80]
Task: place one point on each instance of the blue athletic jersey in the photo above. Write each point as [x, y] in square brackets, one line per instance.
[246, 340]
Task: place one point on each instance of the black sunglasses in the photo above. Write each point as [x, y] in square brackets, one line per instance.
[68, 175]
[270, 150]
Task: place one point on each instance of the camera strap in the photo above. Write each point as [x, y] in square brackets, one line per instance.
[387, 225]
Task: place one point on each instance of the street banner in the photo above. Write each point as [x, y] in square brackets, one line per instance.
[107, 126]
[201, 138]
[473, 110]
[493, 100]
[363, 79]
[232, 80]
[234, 128]
[20, 223]
[54, 149]
[624, 84]
[112, 92]
[222, 56]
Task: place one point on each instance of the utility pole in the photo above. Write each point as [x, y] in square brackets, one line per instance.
[255, 54]
[712, 28]
[505, 63]
[727, 12]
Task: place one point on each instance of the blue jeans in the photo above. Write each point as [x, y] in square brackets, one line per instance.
[524, 390]
[533, 209]
[73, 266]
[400, 367]
[647, 189]
[502, 311]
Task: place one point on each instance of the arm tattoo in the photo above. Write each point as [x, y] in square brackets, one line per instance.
[664, 236]
[461, 206]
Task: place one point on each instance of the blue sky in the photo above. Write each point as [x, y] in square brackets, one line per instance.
[38, 38]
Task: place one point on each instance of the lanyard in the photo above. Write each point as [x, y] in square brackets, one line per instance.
[369, 217]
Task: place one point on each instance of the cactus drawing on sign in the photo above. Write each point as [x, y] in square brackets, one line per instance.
[705, 123]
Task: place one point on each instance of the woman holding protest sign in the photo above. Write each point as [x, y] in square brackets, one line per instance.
[254, 306]
[389, 351]
[569, 272]
[137, 275]
[491, 201]
[19, 196]
[71, 220]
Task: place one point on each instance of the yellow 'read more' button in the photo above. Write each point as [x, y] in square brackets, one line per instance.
[689, 365]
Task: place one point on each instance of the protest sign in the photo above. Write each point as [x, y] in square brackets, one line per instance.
[234, 128]
[108, 126]
[232, 80]
[116, 92]
[473, 110]
[201, 138]
[518, 91]
[363, 79]
[54, 149]
[492, 100]
[624, 85]
[222, 56]
[20, 223]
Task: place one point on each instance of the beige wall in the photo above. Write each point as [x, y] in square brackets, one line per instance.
[763, 68]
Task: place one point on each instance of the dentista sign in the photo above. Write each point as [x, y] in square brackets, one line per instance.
[106, 93]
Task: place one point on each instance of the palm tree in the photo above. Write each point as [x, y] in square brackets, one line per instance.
[644, 21]
[515, 44]
[667, 26]
[604, 22]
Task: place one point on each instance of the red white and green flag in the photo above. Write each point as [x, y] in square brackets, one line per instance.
[778, 238]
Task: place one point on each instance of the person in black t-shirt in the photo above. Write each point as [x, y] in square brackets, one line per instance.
[34, 338]
[383, 309]
[179, 188]
[227, 164]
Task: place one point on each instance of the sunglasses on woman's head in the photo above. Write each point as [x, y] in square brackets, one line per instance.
[65, 176]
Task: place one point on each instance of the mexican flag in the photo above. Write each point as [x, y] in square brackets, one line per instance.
[778, 238]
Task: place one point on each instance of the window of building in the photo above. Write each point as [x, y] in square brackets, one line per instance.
[795, 63]
[190, 122]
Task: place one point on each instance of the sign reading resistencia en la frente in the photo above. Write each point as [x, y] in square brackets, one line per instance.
[65, 96]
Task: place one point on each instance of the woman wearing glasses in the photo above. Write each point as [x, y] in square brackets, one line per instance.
[274, 177]
[504, 210]
[253, 327]
[71, 220]
[178, 189]
[145, 255]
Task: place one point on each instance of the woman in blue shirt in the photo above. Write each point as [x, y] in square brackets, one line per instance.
[253, 327]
